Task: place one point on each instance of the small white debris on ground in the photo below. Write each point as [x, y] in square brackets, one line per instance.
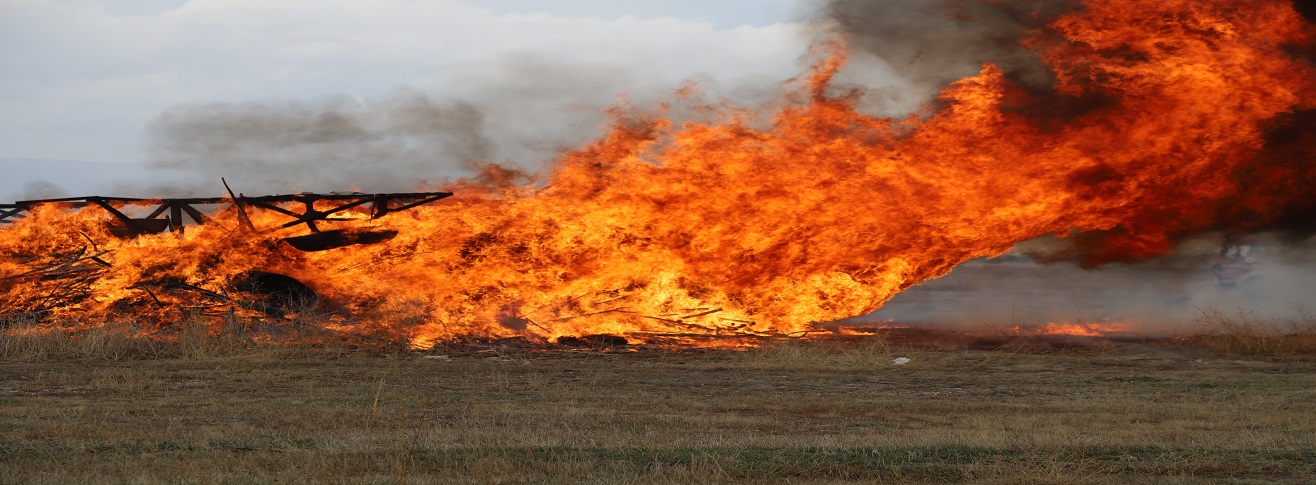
[900, 361]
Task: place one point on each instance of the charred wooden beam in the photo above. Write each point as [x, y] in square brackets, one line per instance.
[380, 205]
[337, 238]
[196, 215]
[9, 212]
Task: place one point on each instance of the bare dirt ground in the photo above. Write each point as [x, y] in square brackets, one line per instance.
[791, 413]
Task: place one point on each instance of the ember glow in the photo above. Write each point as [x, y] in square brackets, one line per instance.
[768, 221]
[1083, 329]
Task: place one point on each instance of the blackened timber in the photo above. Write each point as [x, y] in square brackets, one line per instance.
[268, 206]
[175, 216]
[158, 211]
[134, 226]
[196, 215]
[423, 197]
[380, 205]
[243, 218]
[9, 210]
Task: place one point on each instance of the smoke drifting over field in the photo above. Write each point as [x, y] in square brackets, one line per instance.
[1160, 296]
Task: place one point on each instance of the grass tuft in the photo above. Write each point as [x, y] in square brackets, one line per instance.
[28, 341]
[31, 340]
[1247, 332]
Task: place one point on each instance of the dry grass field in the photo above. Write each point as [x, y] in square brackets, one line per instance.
[107, 409]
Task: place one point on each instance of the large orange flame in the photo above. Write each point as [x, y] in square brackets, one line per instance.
[764, 224]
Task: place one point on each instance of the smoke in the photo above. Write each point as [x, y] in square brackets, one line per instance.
[41, 189]
[1164, 295]
[915, 48]
[939, 41]
[383, 143]
[520, 113]
[1288, 158]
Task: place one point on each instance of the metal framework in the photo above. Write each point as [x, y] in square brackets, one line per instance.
[172, 209]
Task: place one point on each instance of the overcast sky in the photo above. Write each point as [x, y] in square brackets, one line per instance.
[82, 80]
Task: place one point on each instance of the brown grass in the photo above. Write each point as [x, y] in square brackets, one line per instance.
[125, 340]
[1248, 332]
[106, 407]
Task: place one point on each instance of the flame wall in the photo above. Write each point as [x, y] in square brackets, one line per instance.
[1164, 119]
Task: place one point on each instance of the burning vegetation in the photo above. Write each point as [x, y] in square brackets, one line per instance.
[1160, 120]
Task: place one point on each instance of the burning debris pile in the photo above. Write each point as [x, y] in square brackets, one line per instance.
[67, 278]
[1161, 120]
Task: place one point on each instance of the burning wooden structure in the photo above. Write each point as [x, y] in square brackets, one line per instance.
[70, 276]
[168, 213]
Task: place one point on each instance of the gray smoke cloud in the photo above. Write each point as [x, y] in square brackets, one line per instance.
[521, 113]
[517, 114]
[333, 143]
[903, 53]
[1165, 295]
[41, 189]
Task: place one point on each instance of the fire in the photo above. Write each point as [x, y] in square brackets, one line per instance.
[768, 221]
[1083, 329]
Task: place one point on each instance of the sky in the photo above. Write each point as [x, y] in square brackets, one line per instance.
[87, 85]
